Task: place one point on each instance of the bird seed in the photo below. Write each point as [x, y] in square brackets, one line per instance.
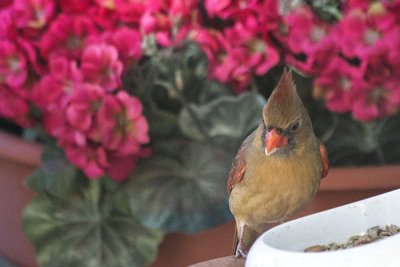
[373, 234]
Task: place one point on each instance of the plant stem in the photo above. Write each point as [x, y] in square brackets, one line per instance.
[94, 190]
[372, 131]
[379, 152]
[380, 155]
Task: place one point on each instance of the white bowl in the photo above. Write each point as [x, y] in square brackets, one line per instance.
[283, 245]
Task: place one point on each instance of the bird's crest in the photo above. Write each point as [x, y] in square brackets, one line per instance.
[285, 88]
[284, 104]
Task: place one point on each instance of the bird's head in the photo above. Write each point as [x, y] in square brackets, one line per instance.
[284, 118]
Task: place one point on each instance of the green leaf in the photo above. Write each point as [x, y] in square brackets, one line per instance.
[212, 90]
[92, 228]
[183, 72]
[162, 123]
[227, 120]
[328, 10]
[359, 143]
[182, 187]
[389, 139]
[56, 175]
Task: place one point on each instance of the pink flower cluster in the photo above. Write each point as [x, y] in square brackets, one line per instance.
[67, 59]
[245, 44]
[355, 60]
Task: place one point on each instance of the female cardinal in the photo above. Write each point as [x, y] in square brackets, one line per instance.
[278, 168]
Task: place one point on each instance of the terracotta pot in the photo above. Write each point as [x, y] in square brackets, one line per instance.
[18, 159]
[341, 186]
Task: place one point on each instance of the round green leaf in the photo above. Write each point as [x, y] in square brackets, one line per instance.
[226, 118]
[162, 123]
[94, 228]
[183, 190]
[56, 175]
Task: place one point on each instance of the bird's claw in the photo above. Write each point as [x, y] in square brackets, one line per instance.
[241, 252]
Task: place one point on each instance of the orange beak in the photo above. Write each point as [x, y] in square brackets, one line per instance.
[274, 140]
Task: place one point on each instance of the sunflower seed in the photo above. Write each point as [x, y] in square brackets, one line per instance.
[372, 234]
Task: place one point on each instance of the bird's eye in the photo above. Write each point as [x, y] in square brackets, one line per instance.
[295, 126]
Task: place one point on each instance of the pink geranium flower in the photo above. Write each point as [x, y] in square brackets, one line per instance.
[54, 122]
[183, 8]
[376, 101]
[208, 41]
[128, 43]
[374, 28]
[221, 8]
[121, 167]
[356, 4]
[105, 122]
[380, 64]
[13, 70]
[169, 21]
[54, 89]
[5, 3]
[392, 6]
[13, 106]
[117, 131]
[85, 101]
[48, 92]
[155, 21]
[130, 11]
[222, 64]
[232, 9]
[34, 14]
[121, 125]
[241, 78]
[75, 6]
[136, 125]
[236, 54]
[336, 85]
[256, 53]
[67, 36]
[91, 159]
[158, 23]
[52, 94]
[100, 65]
[309, 41]
[65, 71]
[8, 29]
[232, 71]
[104, 15]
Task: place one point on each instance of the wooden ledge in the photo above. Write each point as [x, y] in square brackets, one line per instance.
[230, 261]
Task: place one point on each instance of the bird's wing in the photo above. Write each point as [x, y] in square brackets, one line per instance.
[324, 159]
[239, 164]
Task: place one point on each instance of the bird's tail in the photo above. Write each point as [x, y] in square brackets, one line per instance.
[247, 237]
[235, 242]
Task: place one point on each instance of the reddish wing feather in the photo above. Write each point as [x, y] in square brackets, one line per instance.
[324, 159]
[238, 169]
[239, 164]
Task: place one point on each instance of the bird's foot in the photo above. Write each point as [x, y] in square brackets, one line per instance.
[241, 252]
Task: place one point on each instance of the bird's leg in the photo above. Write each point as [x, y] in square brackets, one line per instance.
[240, 249]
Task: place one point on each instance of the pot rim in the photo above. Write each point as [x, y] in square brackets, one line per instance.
[362, 178]
[339, 178]
[19, 150]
